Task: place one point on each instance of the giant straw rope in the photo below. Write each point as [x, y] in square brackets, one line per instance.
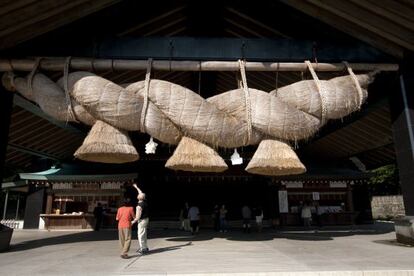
[168, 111]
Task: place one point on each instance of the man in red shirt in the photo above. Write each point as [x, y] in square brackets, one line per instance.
[124, 217]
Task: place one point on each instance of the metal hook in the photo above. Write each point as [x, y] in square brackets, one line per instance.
[242, 49]
[171, 52]
[199, 77]
[11, 65]
[277, 77]
[93, 65]
[314, 51]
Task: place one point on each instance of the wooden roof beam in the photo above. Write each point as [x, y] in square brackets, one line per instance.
[346, 27]
[369, 21]
[37, 135]
[32, 152]
[23, 103]
[401, 8]
[398, 17]
[48, 21]
[375, 148]
[194, 49]
[347, 121]
[151, 21]
[258, 23]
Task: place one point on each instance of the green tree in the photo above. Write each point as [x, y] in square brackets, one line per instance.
[385, 181]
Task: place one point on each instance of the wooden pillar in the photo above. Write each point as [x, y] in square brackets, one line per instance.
[34, 207]
[6, 108]
[17, 207]
[5, 204]
[49, 203]
[349, 198]
[402, 112]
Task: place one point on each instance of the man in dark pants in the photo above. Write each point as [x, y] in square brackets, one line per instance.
[141, 216]
[98, 214]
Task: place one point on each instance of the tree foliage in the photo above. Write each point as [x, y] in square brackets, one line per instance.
[385, 180]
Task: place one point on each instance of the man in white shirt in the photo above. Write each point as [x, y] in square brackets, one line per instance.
[247, 215]
[141, 217]
[194, 216]
[306, 215]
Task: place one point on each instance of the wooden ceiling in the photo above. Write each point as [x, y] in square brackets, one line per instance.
[388, 27]
[31, 137]
[369, 139]
[22, 20]
[387, 24]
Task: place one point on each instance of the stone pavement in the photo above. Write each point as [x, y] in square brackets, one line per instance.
[362, 250]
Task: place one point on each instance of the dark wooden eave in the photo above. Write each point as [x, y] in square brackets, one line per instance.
[387, 25]
[22, 20]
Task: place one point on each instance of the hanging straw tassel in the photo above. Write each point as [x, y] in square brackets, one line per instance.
[106, 144]
[191, 155]
[274, 157]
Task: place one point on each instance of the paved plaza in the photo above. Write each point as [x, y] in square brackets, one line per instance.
[362, 250]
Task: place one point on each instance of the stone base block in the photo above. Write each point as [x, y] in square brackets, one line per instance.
[5, 237]
[404, 229]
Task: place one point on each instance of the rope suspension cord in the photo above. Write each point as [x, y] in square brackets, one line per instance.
[321, 94]
[9, 75]
[66, 89]
[146, 95]
[199, 79]
[246, 100]
[357, 85]
[277, 81]
[32, 73]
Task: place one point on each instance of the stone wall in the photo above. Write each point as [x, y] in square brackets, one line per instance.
[387, 207]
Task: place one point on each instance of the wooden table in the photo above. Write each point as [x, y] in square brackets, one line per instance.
[53, 221]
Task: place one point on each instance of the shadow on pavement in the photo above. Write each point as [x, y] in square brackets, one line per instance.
[168, 248]
[65, 238]
[293, 233]
[393, 242]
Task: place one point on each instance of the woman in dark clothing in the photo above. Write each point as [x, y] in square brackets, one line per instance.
[216, 217]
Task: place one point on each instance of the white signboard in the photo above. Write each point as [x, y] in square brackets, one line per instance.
[111, 186]
[337, 184]
[315, 196]
[283, 202]
[62, 186]
[293, 184]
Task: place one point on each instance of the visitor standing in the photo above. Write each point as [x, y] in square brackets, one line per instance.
[306, 215]
[142, 218]
[259, 218]
[185, 222]
[124, 216]
[246, 215]
[216, 217]
[194, 217]
[98, 214]
[318, 214]
[223, 219]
